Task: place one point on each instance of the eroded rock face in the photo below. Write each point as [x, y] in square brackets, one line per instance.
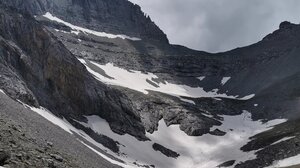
[47, 74]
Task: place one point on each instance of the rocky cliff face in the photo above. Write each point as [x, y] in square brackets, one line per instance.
[38, 70]
[64, 65]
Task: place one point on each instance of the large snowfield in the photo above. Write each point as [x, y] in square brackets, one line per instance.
[206, 151]
[144, 82]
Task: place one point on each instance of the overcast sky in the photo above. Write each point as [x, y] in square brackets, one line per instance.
[219, 25]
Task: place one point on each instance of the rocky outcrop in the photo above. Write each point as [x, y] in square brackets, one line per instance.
[227, 164]
[165, 151]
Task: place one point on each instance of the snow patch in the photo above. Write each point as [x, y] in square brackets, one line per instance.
[282, 140]
[201, 78]
[137, 80]
[52, 118]
[248, 97]
[187, 100]
[255, 105]
[292, 161]
[76, 29]
[207, 115]
[225, 80]
[105, 157]
[1, 91]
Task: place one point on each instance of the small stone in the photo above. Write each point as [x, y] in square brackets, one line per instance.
[51, 163]
[28, 163]
[13, 142]
[13, 146]
[40, 150]
[6, 166]
[57, 157]
[49, 143]
[16, 129]
[19, 156]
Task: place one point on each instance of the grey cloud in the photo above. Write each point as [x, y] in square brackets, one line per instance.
[219, 25]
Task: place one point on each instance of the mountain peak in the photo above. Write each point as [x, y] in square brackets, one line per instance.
[113, 16]
[286, 25]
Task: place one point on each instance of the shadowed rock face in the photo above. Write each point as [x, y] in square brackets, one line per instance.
[39, 70]
[114, 16]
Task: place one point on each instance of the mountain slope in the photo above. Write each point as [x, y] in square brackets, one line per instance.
[112, 80]
[32, 141]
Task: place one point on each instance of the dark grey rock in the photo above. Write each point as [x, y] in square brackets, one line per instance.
[227, 164]
[4, 156]
[165, 151]
[218, 132]
[57, 157]
[50, 144]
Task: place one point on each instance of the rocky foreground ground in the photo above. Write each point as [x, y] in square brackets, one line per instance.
[28, 140]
